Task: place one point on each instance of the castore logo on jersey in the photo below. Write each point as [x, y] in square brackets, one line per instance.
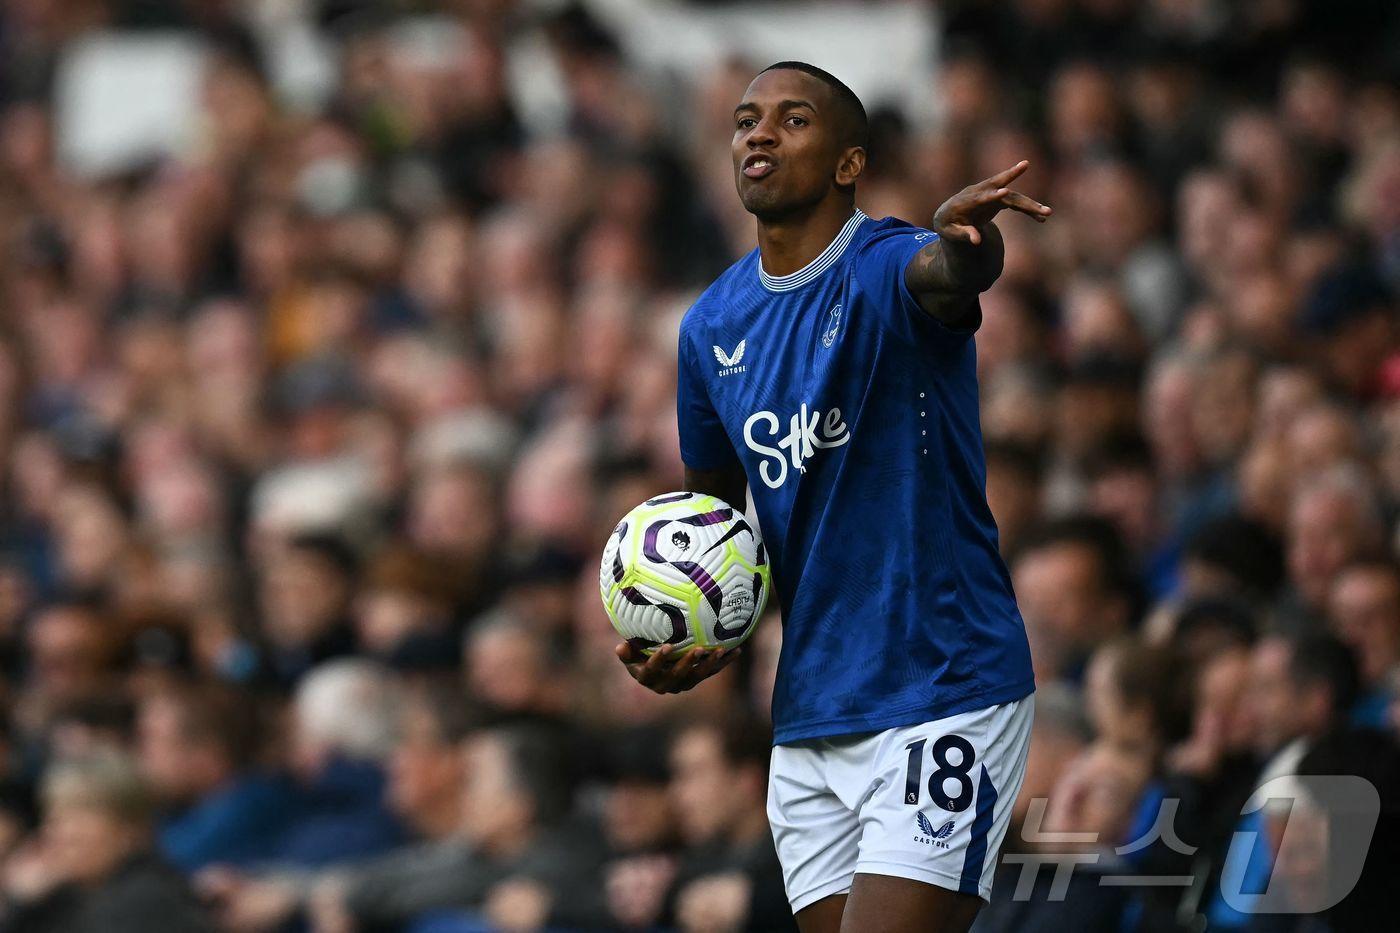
[729, 362]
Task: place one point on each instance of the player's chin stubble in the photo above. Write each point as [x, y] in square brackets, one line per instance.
[763, 201]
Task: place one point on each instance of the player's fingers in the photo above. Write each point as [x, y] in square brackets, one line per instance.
[991, 194]
[680, 676]
[632, 659]
[725, 661]
[685, 661]
[703, 658]
[652, 673]
[1002, 179]
[1029, 206]
[717, 661]
[712, 665]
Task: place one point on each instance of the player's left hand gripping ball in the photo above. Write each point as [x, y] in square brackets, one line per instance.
[684, 579]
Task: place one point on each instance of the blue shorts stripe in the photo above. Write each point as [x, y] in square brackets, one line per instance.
[971, 881]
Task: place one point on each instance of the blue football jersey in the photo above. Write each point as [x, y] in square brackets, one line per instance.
[854, 414]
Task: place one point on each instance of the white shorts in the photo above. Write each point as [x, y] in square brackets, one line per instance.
[929, 802]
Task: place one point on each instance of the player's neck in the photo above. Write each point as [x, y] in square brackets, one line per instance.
[787, 243]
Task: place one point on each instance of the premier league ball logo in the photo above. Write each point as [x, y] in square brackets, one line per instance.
[684, 569]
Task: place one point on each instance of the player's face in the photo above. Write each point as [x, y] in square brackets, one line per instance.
[787, 146]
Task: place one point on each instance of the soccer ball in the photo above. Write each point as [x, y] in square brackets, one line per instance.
[684, 569]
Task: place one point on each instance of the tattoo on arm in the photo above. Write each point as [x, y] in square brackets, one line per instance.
[946, 276]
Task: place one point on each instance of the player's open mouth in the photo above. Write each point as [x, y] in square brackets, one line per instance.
[759, 166]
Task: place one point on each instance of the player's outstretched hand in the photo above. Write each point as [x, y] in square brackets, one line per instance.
[962, 216]
[668, 672]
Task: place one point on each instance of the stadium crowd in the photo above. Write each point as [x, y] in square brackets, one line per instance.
[310, 439]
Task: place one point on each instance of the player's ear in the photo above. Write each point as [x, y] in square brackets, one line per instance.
[851, 165]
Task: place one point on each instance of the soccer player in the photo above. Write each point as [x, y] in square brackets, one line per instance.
[832, 371]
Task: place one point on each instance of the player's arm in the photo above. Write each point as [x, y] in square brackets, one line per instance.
[729, 483]
[948, 274]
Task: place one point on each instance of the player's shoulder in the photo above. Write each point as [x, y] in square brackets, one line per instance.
[719, 299]
[874, 233]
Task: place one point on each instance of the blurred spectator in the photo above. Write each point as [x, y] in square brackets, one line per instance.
[1209, 626]
[1364, 612]
[1301, 689]
[1013, 490]
[426, 775]
[452, 512]
[69, 660]
[1373, 756]
[199, 750]
[405, 608]
[1060, 732]
[509, 668]
[305, 600]
[345, 714]
[1231, 556]
[94, 867]
[1137, 697]
[1350, 312]
[1122, 489]
[512, 862]
[641, 832]
[718, 794]
[426, 766]
[1071, 587]
[1094, 798]
[1334, 520]
[1211, 771]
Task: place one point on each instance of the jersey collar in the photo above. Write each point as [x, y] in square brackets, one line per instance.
[833, 251]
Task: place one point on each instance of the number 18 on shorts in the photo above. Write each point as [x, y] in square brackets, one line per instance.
[928, 802]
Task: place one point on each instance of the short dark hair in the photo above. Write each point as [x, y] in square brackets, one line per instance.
[1096, 534]
[1101, 539]
[1244, 548]
[1322, 658]
[1121, 451]
[857, 124]
[1152, 677]
[636, 754]
[1230, 619]
[1104, 371]
[1024, 460]
[331, 548]
[223, 716]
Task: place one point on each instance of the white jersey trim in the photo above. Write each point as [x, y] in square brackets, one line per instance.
[833, 251]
